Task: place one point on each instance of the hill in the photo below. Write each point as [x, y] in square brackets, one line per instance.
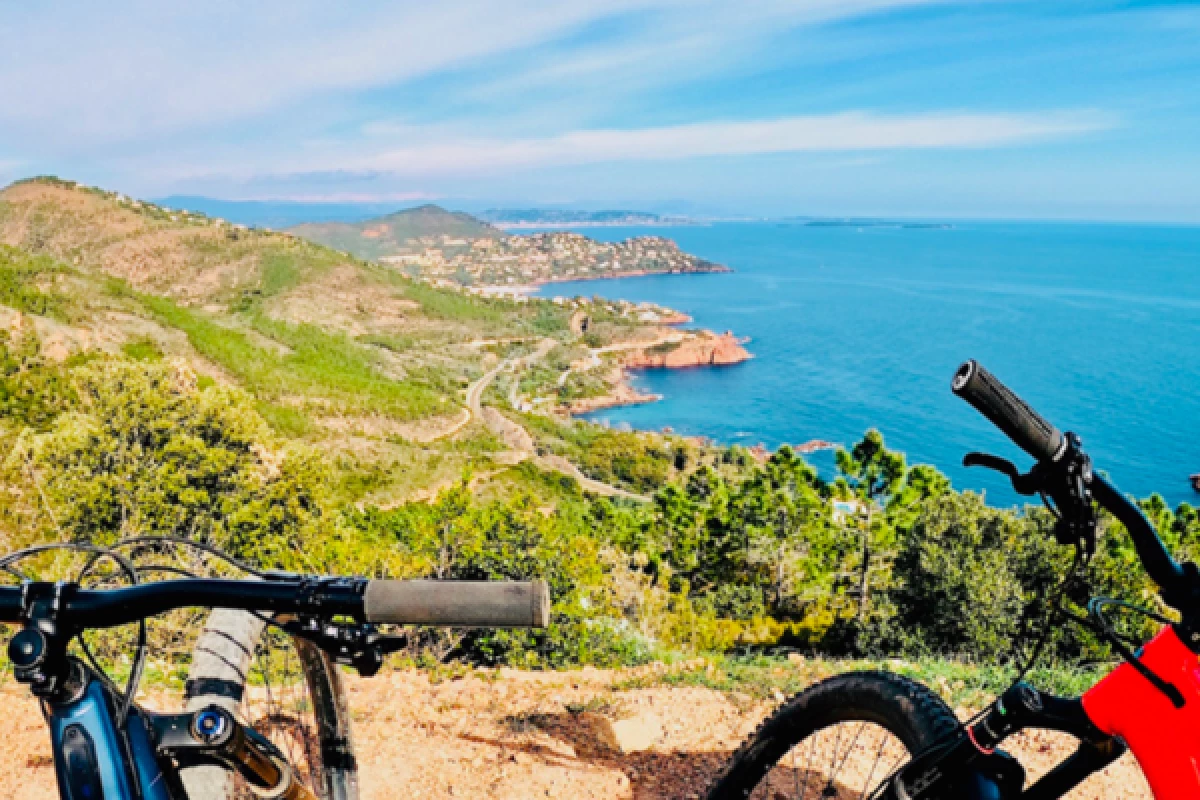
[379, 369]
[409, 230]
[168, 373]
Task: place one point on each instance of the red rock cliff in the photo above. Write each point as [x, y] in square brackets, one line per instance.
[700, 350]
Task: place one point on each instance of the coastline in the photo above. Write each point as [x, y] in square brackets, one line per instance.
[714, 269]
[622, 394]
[692, 350]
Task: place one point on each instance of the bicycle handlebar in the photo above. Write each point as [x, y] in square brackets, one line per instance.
[1028, 429]
[468, 604]
[449, 603]
[1160, 565]
[1033, 434]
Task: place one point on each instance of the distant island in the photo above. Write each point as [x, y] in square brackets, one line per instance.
[854, 222]
[551, 218]
[447, 247]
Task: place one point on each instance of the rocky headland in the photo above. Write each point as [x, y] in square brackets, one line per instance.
[701, 349]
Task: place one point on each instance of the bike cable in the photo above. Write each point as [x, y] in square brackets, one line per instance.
[130, 570]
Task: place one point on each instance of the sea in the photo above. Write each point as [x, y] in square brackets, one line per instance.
[859, 326]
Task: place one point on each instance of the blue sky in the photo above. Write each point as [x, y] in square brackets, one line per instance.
[1039, 109]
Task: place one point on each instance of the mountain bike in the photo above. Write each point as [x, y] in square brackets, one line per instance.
[878, 735]
[234, 738]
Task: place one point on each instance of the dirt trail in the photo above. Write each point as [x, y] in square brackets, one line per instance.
[513, 735]
[518, 440]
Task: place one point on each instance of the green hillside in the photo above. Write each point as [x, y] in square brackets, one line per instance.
[357, 357]
[396, 233]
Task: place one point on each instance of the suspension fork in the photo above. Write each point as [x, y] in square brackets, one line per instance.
[1023, 706]
[972, 765]
[213, 733]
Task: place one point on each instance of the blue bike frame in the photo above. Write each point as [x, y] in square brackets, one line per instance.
[94, 759]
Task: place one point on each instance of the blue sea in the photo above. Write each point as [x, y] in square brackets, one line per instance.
[854, 327]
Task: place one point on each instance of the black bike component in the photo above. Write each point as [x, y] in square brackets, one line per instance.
[27, 650]
[1066, 481]
[79, 608]
[1009, 413]
[968, 763]
[39, 650]
[1088, 758]
[908, 711]
[206, 730]
[467, 604]
[1178, 583]
[359, 646]
[1179, 588]
[79, 766]
[1026, 484]
[1022, 706]
[955, 768]
[1068, 484]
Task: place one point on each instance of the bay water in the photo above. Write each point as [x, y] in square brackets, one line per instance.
[862, 326]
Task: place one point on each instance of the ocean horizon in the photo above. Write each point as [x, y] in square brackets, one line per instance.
[858, 326]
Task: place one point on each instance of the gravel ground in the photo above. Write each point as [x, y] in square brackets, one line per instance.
[517, 735]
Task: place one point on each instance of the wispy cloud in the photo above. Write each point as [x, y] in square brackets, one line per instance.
[135, 69]
[630, 100]
[844, 132]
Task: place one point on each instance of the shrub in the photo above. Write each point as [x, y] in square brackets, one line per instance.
[146, 452]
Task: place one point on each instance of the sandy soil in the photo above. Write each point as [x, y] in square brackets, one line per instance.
[514, 736]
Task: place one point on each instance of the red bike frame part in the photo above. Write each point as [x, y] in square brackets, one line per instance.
[1164, 739]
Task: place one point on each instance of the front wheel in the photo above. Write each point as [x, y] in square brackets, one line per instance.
[838, 739]
[287, 689]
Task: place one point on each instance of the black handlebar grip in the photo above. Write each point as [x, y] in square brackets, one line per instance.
[459, 604]
[1009, 413]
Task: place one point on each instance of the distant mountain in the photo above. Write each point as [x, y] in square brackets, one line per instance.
[549, 218]
[404, 231]
[276, 214]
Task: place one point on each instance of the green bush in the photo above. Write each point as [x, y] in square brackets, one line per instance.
[26, 284]
[146, 452]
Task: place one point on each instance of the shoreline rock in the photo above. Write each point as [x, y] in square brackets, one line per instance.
[698, 349]
[703, 349]
[623, 394]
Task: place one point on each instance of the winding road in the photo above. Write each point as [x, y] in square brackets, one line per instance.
[497, 424]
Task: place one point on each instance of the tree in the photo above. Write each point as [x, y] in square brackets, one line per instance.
[959, 579]
[871, 474]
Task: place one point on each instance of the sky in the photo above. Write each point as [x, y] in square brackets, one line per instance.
[1084, 109]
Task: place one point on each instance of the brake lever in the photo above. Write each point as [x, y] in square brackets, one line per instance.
[1028, 483]
[1065, 482]
[361, 647]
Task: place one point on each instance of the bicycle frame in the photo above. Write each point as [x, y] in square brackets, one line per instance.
[94, 757]
[100, 754]
[1124, 710]
[1164, 737]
